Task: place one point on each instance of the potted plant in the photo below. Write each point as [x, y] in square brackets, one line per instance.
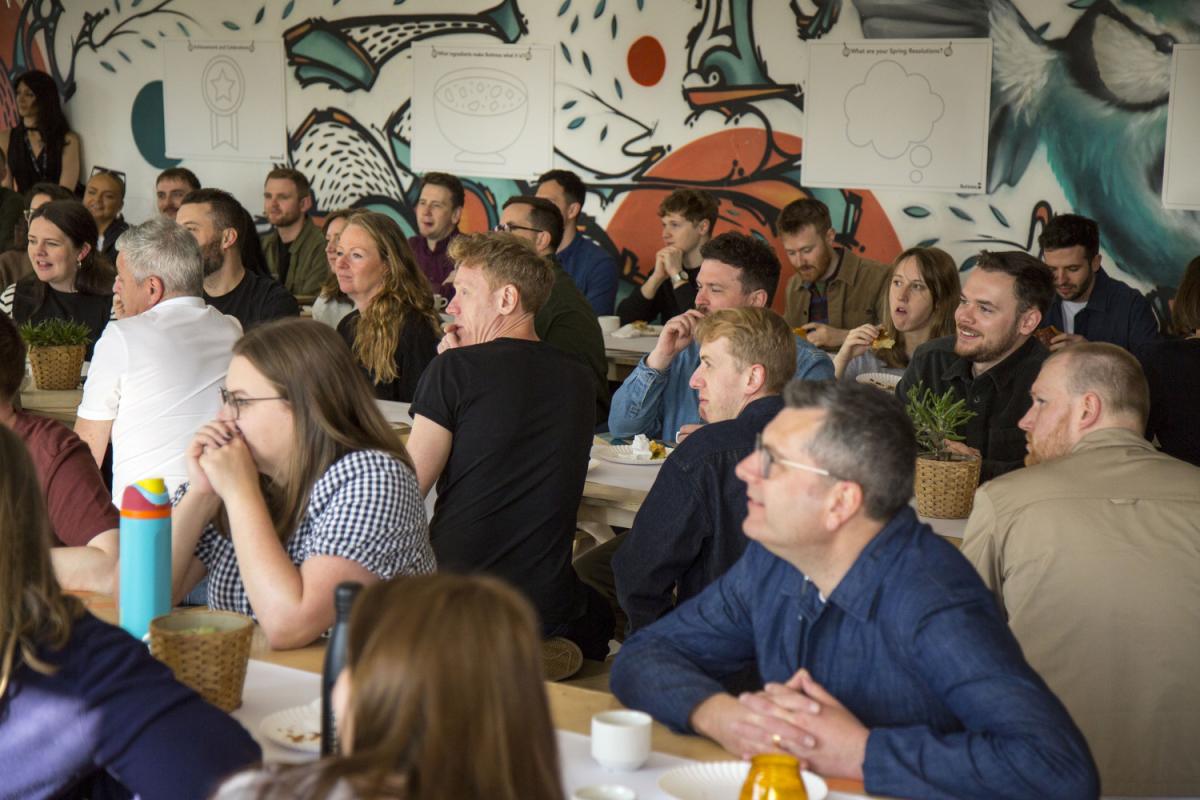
[945, 481]
[56, 351]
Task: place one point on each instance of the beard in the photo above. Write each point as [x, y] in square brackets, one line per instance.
[1049, 447]
[1082, 291]
[986, 352]
[211, 257]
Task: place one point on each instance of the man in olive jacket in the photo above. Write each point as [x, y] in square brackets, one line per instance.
[295, 249]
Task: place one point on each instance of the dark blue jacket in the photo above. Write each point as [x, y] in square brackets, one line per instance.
[909, 641]
[1115, 313]
[688, 531]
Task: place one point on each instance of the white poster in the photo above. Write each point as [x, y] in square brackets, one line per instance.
[1181, 167]
[483, 111]
[898, 114]
[224, 100]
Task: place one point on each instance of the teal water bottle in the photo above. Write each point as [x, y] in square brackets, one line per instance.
[145, 555]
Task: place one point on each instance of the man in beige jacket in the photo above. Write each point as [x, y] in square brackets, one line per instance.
[1093, 553]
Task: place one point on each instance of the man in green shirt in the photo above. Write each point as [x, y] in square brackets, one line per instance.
[295, 249]
[566, 321]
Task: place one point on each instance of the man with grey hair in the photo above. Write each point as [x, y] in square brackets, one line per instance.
[885, 659]
[1093, 554]
[156, 369]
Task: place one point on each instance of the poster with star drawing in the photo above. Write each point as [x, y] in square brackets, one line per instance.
[224, 100]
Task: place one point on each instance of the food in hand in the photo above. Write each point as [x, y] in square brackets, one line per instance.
[883, 341]
[1047, 334]
[803, 334]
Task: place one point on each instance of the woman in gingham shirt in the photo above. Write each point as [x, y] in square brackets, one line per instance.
[297, 485]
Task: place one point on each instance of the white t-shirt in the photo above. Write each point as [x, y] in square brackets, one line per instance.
[156, 376]
[1069, 311]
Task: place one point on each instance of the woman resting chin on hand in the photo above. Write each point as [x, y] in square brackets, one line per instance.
[274, 512]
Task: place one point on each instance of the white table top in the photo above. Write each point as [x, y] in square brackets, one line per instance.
[638, 344]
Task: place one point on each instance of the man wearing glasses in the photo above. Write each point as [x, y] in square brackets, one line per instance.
[565, 320]
[156, 370]
[884, 657]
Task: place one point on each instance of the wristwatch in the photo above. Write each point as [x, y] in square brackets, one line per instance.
[678, 279]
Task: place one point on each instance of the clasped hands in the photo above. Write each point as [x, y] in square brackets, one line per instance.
[219, 461]
[799, 718]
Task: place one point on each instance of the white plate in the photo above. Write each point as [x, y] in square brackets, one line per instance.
[631, 332]
[722, 780]
[623, 454]
[296, 728]
[880, 380]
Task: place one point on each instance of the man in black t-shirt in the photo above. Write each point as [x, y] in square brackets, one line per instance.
[503, 424]
[214, 217]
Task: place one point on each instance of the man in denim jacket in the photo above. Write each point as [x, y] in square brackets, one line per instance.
[885, 657]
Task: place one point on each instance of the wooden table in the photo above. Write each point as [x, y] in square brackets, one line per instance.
[624, 354]
[55, 404]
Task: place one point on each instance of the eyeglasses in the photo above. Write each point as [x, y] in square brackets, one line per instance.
[98, 170]
[509, 227]
[766, 458]
[229, 400]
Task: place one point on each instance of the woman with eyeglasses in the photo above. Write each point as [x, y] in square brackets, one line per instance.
[85, 710]
[441, 697]
[104, 197]
[41, 147]
[394, 328]
[70, 279]
[297, 485]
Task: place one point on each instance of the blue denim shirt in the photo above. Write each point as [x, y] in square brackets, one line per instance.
[688, 531]
[1115, 313]
[594, 272]
[909, 641]
[658, 404]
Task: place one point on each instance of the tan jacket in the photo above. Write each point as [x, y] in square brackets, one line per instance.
[857, 294]
[1095, 559]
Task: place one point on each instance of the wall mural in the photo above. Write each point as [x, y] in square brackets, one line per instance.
[656, 94]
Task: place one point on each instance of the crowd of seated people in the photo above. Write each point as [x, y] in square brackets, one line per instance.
[778, 592]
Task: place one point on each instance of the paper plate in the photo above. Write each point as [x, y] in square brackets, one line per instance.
[623, 454]
[880, 380]
[296, 728]
[722, 780]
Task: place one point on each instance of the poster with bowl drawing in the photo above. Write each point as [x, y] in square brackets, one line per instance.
[483, 110]
[898, 114]
[224, 100]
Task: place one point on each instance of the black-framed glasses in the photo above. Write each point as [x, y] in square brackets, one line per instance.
[509, 227]
[766, 458]
[230, 400]
[99, 170]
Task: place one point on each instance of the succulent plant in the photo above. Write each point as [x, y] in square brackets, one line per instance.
[936, 419]
[55, 333]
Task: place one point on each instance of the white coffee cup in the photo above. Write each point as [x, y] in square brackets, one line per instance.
[621, 739]
[604, 791]
[609, 324]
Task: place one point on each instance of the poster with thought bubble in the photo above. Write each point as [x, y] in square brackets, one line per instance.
[898, 114]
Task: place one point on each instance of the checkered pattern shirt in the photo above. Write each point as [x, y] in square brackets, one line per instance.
[367, 507]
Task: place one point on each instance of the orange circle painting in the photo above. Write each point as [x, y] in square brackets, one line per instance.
[647, 61]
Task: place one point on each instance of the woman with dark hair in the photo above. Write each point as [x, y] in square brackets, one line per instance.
[14, 261]
[441, 697]
[85, 710]
[1172, 367]
[70, 279]
[42, 147]
[394, 327]
[922, 296]
[297, 485]
[332, 304]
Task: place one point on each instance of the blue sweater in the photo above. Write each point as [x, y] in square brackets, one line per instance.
[112, 722]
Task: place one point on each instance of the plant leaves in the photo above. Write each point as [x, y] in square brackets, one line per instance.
[958, 212]
[563, 8]
[614, 26]
[149, 44]
[108, 66]
[575, 123]
[569, 105]
[927, 242]
[566, 53]
[287, 10]
[259, 16]
[233, 26]
[184, 29]
[917, 212]
[587, 63]
[999, 216]
[617, 86]
[604, 133]
[599, 9]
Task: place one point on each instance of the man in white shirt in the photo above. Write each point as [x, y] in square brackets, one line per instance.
[156, 370]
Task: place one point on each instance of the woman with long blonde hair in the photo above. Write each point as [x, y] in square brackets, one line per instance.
[84, 708]
[442, 697]
[297, 485]
[394, 327]
[922, 296]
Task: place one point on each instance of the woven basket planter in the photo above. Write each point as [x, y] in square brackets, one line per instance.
[946, 489]
[57, 367]
[211, 660]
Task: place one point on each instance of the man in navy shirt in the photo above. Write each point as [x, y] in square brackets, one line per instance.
[885, 658]
[589, 265]
[1089, 306]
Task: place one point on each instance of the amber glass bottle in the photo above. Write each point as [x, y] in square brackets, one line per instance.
[774, 777]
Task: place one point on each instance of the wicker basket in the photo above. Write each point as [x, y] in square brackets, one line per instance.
[946, 489]
[212, 662]
[57, 367]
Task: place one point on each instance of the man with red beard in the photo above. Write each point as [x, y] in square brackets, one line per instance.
[992, 359]
[213, 217]
[1093, 554]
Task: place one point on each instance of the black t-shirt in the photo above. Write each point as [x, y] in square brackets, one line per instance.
[258, 298]
[93, 310]
[521, 414]
[283, 255]
[1172, 368]
[415, 348]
